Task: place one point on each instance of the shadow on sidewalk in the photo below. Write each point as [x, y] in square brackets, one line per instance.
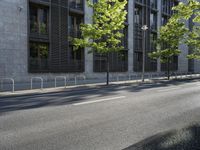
[184, 139]
[74, 95]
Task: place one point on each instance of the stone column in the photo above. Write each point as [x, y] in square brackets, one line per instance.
[130, 35]
[159, 24]
[88, 57]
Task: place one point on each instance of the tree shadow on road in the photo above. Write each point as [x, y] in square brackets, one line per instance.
[184, 139]
[65, 97]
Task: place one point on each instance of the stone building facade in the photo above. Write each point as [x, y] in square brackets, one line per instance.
[35, 39]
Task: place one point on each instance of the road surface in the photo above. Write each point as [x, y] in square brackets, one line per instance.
[162, 116]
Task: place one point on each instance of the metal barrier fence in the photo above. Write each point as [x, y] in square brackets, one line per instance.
[81, 79]
[13, 83]
[40, 78]
[63, 77]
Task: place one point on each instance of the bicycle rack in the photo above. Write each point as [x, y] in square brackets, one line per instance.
[13, 83]
[117, 78]
[63, 77]
[40, 78]
[76, 78]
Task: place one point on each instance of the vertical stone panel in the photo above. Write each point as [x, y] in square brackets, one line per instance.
[13, 38]
[130, 35]
[88, 57]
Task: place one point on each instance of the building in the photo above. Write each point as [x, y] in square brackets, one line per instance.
[35, 39]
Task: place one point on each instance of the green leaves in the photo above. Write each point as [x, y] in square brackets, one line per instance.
[177, 32]
[190, 11]
[169, 40]
[104, 35]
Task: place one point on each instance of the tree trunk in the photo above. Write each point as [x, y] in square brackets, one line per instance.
[168, 69]
[108, 69]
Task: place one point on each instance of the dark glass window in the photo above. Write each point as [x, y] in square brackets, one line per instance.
[76, 4]
[138, 15]
[153, 37]
[137, 61]
[38, 19]
[76, 55]
[164, 20]
[39, 56]
[153, 4]
[74, 25]
[124, 41]
[139, 1]
[76, 59]
[153, 20]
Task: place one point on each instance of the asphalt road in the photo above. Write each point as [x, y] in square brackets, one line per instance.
[162, 116]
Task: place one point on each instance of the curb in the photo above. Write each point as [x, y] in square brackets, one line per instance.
[37, 92]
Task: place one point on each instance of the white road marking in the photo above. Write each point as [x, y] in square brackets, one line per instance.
[100, 100]
[169, 89]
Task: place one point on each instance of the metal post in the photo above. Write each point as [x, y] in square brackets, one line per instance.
[31, 83]
[129, 77]
[75, 80]
[42, 82]
[144, 28]
[2, 84]
[13, 87]
[41, 79]
[65, 82]
[55, 82]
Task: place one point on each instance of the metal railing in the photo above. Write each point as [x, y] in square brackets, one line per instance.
[13, 83]
[79, 77]
[40, 78]
[63, 77]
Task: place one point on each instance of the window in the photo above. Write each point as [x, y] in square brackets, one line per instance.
[138, 15]
[153, 37]
[153, 4]
[164, 20]
[76, 4]
[139, 1]
[124, 41]
[153, 20]
[39, 56]
[76, 55]
[137, 61]
[38, 19]
[74, 25]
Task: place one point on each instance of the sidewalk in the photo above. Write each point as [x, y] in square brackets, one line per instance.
[87, 84]
[63, 88]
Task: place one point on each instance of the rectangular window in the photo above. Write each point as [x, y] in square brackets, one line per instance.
[39, 57]
[76, 4]
[137, 61]
[74, 25]
[164, 20]
[153, 37]
[153, 4]
[138, 15]
[153, 20]
[38, 19]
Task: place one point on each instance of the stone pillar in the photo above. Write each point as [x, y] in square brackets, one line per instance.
[182, 59]
[88, 57]
[13, 39]
[130, 35]
[159, 24]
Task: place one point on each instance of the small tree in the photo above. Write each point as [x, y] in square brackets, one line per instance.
[168, 42]
[190, 10]
[104, 35]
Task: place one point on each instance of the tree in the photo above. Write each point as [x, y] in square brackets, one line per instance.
[168, 42]
[177, 27]
[190, 11]
[104, 35]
